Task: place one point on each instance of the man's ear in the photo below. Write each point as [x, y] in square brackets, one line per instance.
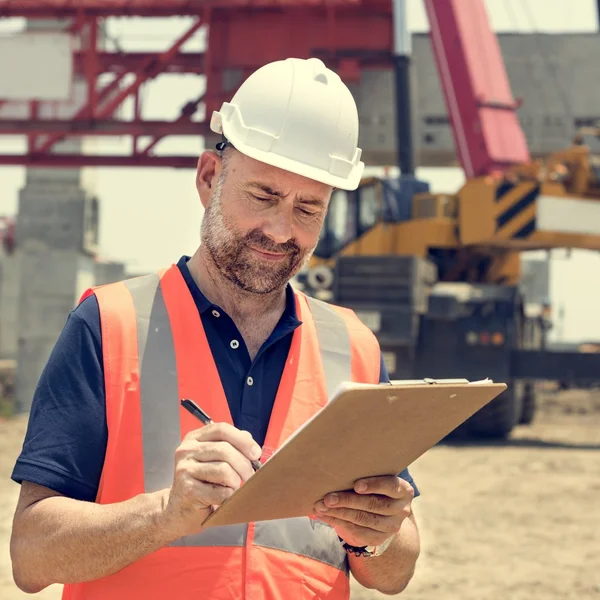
[207, 171]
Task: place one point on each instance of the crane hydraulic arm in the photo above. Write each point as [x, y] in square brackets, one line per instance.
[524, 204]
[546, 204]
[486, 129]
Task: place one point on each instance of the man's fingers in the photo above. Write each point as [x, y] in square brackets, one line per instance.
[221, 451]
[218, 473]
[373, 503]
[359, 517]
[394, 487]
[224, 432]
[356, 535]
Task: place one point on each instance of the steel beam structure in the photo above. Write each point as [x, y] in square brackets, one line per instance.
[150, 69]
[96, 116]
[348, 35]
[102, 127]
[116, 62]
[66, 9]
[70, 161]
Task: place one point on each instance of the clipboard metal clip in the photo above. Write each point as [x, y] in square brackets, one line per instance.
[428, 381]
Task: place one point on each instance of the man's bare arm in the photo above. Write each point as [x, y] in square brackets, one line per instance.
[391, 572]
[60, 540]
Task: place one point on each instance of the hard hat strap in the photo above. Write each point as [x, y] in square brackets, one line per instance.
[223, 144]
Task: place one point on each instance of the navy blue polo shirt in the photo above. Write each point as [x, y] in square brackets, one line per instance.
[66, 436]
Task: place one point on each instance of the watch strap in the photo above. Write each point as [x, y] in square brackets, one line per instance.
[366, 551]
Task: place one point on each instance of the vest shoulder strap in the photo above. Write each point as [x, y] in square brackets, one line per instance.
[366, 353]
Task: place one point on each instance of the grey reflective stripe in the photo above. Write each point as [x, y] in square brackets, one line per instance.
[161, 430]
[305, 537]
[229, 535]
[334, 343]
[158, 382]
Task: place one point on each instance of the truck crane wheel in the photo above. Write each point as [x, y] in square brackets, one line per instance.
[529, 404]
[320, 277]
[497, 419]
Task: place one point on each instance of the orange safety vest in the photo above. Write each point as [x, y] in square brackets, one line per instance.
[156, 352]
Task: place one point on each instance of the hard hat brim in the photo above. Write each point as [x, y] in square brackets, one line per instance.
[349, 183]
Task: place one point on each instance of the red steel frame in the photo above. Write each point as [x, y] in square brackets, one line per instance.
[349, 35]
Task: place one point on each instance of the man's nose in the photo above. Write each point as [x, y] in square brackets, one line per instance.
[279, 226]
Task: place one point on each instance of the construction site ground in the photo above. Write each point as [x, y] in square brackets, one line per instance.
[518, 520]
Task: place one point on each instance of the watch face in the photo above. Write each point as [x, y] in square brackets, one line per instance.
[383, 547]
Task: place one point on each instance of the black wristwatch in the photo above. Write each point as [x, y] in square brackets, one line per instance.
[366, 551]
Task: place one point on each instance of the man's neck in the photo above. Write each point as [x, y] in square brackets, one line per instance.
[242, 307]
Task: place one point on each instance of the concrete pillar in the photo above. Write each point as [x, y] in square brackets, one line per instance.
[57, 229]
[56, 233]
[9, 302]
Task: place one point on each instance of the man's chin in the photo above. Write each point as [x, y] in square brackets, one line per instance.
[257, 284]
[260, 290]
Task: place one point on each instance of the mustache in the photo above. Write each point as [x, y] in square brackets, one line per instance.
[260, 241]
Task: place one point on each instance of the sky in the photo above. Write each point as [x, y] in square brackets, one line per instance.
[150, 217]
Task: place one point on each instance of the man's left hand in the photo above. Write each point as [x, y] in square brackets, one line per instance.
[371, 513]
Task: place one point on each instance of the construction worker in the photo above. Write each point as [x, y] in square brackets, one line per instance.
[117, 479]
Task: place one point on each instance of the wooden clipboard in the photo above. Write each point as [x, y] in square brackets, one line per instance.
[365, 430]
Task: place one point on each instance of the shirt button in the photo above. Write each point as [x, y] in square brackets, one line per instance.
[216, 313]
[250, 381]
[234, 344]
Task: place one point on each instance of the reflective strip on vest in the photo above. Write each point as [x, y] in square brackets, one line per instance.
[161, 425]
[334, 343]
[160, 421]
[302, 536]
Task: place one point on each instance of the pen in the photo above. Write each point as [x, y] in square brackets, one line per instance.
[195, 410]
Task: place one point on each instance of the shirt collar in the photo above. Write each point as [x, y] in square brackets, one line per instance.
[288, 318]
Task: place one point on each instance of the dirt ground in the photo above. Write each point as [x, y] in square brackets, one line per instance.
[518, 520]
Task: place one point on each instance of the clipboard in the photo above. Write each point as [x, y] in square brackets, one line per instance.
[365, 430]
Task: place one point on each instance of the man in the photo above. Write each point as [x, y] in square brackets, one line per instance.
[117, 479]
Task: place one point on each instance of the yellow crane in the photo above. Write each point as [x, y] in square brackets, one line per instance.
[436, 276]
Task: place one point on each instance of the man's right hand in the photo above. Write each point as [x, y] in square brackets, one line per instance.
[211, 463]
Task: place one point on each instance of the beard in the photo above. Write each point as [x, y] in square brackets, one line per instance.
[233, 255]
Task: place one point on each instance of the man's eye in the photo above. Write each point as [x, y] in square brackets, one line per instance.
[310, 213]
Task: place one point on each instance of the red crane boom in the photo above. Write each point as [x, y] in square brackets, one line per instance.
[486, 129]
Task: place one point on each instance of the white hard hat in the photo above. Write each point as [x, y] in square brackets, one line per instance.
[297, 115]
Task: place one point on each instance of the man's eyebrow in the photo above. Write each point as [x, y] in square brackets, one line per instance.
[266, 189]
[312, 200]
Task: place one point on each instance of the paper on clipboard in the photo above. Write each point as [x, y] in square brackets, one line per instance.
[485, 381]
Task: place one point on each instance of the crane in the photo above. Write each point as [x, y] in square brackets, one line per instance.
[436, 276]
